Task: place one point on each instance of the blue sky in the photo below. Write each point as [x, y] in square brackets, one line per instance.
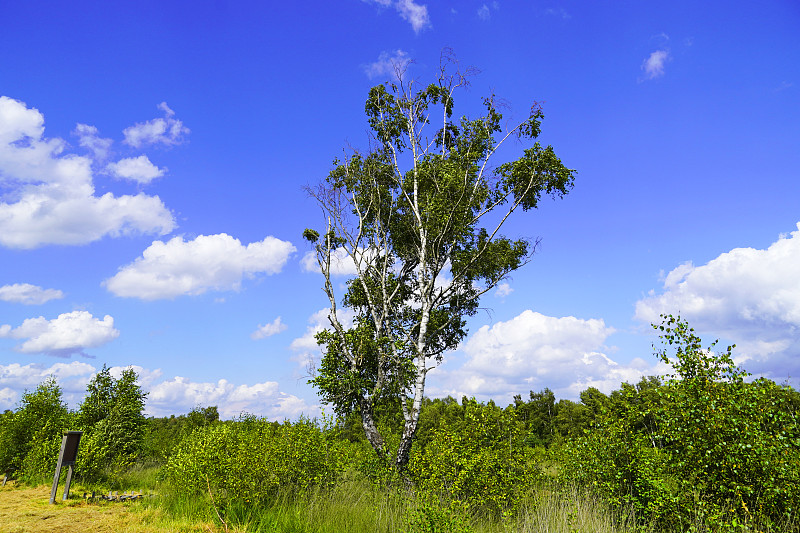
[153, 157]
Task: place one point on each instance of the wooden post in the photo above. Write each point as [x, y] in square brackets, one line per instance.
[66, 457]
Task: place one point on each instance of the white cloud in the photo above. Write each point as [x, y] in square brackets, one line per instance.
[8, 397]
[166, 396]
[484, 13]
[25, 293]
[167, 130]
[180, 395]
[533, 351]
[306, 349]
[342, 263]
[415, 14]
[392, 66]
[209, 262]
[50, 197]
[503, 290]
[653, 66]
[268, 330]
[63, 336]
[89, 138]
[72, 377]
[749, 296]
[138, 169]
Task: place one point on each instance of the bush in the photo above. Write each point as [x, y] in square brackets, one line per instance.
[706, 447]
[736, 444]
[111, 416]
[251, 459]
[30, 438]
[480, 462]
[623, 466]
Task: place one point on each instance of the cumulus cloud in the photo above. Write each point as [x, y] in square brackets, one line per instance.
[503, 290]
[166, 130]
[484, 13]
[68, 334]
[50, 197]
[341, 263]
[747, 295]
[72, 377]
[305, 348]
[181, 394]
[390, 65]
[25, 293]
[409, 10]
[209, 262]
[268, 330]
[138, 169]
[88, 137]
[176, 395]
[653, 66]
[415, 14]
[533, 351]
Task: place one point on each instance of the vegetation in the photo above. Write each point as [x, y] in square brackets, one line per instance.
[703, 449]
[419, 217]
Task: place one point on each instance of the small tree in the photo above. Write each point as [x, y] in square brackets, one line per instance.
[419, 218]
[28, 433]
[112, 416]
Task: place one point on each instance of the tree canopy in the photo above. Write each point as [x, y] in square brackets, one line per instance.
[417, 220]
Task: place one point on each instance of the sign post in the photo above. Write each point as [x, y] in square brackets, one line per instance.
[67, 457]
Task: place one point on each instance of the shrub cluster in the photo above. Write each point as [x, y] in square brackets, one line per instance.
[706, 447]
[478, 460]
[250, 460]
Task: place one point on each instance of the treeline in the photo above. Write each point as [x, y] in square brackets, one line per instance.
[703, 449]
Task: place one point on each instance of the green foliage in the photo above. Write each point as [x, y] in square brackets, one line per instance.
[480, 461]
[111, 416]
[736, 445]
[620, 463]
[163, 434]
[251, 459]
[705, 447]
[414, 210]
[31, 436]
[431, 516]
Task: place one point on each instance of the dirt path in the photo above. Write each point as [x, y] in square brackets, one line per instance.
[28, 510]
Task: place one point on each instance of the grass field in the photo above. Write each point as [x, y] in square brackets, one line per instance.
[26, 509]
[348, 509]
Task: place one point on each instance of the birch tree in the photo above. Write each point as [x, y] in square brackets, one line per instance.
[417, 221]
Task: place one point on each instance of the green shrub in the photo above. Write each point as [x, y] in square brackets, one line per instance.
[30, 438]
[251, 459]
[623, 467]
[706, 447]
[736, 445]
[111, 417]
[480, 462]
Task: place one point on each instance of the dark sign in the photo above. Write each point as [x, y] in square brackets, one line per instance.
[69, 451]
[67, 457]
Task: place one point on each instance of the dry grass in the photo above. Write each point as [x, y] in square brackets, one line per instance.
[26, 509]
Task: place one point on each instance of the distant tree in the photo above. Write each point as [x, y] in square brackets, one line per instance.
[538, 414]
[202, 416]
[419, 219]
[163, 434]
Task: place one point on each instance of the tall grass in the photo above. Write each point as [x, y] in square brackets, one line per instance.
[355, 505]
